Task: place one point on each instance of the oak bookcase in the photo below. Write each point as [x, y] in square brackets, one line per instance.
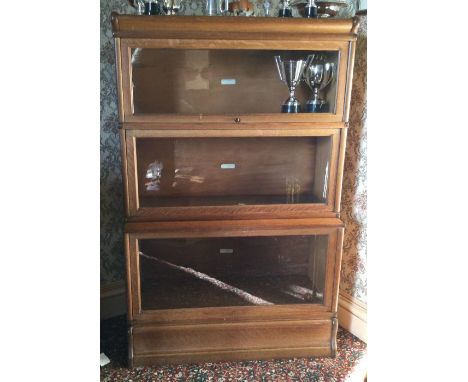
[233, 237]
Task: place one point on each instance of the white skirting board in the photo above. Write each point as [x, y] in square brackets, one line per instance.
[352, 313]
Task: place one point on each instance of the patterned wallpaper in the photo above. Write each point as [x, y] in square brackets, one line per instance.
[112, 207]
[354, 195]
[354, 280]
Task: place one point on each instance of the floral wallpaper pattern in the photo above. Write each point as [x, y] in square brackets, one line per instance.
[354, 280]
[354, 194]
[112, 207]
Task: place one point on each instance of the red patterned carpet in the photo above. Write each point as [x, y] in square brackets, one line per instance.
[350, 356]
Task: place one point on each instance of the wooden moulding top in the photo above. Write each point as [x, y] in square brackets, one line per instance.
[233, 28]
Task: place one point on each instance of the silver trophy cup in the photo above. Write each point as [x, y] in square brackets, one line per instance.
[290, 72]
[318, 76]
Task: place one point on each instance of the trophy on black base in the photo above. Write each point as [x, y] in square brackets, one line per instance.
[285, 10]
[310, 10]
[318, 76]
[290, 71]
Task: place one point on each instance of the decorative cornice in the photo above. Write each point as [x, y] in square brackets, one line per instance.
[233, 28]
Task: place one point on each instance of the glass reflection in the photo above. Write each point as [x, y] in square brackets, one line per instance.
[232, 171]
[236, 271]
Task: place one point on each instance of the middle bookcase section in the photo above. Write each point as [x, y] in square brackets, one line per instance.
[167, 175]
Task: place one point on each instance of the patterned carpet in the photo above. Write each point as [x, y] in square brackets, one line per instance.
[114, 344]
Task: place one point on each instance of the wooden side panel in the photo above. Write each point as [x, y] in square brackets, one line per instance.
[168, 344]
[129, 250]
[349, 79]
[131, 176]
[322, 168]
[123, 154]
[133, 276]
[337, 268]
[340, 165]
[334, 332]
[119, 71]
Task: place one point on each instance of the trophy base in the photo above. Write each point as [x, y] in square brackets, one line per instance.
[152, 9]
[291, 108]
[285, 13]
[318, 108]
[310, 12]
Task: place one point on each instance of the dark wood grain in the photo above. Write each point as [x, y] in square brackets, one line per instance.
[232, 227]
[192, 343]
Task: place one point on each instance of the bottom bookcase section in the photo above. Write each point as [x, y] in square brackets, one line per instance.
[232, 290]
[151, 345]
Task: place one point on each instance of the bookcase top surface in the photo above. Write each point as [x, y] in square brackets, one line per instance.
[232, 28]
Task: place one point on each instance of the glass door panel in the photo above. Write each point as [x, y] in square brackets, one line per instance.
[220, 81]
[178, 172]
[232, 271]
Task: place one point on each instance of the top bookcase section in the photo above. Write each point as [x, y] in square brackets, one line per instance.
[188, 69]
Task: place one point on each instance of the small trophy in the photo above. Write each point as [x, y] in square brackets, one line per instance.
[152, 7]
[172, 7]
[285, 10]
[310, 10]
[290, 71]
[318, 76]
[266, 7]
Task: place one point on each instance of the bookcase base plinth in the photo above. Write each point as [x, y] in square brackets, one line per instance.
[168, 344]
